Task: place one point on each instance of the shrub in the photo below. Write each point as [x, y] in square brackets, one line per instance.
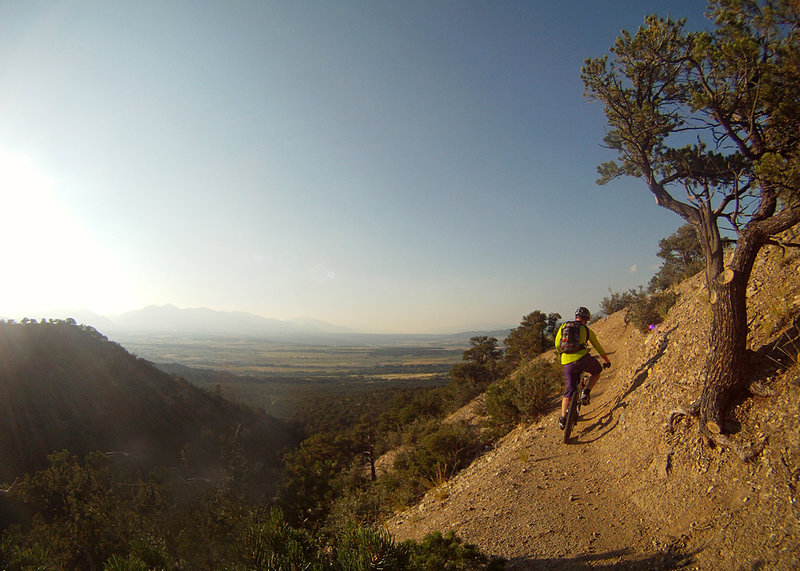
[358, 506]
[644, 308]
[619, 300]
[370, 548]
[651, 309]
[146, 554]
[437, 551]
[525, 394]
[451, 447]
[274, 544]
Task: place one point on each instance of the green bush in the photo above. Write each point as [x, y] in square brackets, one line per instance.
[651, 309]
[274, 544]
[128, 524]
[644, 308]
[369, 548]
[359, 506]
[619, 300]
[442, 453]
[437, 551]
[146, 554]
[525, 394]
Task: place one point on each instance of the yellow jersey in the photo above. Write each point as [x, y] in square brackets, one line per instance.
[586, 335]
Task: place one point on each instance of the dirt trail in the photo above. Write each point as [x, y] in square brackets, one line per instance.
[541, 503]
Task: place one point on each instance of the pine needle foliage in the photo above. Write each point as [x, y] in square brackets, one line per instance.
[524, 394]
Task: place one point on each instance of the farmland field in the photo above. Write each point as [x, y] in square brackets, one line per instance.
[264, 358]
[275, 376]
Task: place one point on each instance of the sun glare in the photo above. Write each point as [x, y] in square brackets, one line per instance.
[49, 259]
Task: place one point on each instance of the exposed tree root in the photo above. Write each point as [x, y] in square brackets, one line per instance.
[692, 410]
[746, 452]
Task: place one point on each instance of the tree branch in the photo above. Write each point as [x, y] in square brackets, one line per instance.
[777, 223]
[738, 192]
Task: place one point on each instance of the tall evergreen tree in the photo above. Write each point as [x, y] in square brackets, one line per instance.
[682, 255]
[534, 336]
[483, 351]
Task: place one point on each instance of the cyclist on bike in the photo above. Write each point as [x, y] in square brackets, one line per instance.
[579, 361]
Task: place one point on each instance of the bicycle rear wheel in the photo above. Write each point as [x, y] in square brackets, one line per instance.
[572, 416]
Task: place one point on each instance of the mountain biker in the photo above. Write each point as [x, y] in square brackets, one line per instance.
[580, 361]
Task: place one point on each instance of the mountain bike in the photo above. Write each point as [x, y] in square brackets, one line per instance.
[574, 408]
[575, 404]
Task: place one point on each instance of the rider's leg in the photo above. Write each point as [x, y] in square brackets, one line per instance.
[593, 367]
[571, 375]
[585, 398]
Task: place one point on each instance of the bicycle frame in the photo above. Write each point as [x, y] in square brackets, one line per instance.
[575, 407]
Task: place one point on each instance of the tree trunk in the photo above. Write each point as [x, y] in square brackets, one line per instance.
[373, 475]
[727, 343]
[728, 334]
[370, 454]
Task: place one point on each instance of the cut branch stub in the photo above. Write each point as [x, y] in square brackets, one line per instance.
[726, 276]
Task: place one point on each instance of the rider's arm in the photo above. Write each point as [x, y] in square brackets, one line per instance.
[599, 348]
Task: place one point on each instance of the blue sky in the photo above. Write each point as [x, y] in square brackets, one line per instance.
[383, 166]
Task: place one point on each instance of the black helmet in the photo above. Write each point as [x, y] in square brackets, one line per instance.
[582, 312]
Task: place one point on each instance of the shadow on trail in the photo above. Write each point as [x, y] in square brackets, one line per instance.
[779, 354]
[603, 426]
[608, 421]
[640, 376]
[607, 560]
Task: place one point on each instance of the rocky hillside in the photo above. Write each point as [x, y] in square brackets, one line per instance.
[639, 488]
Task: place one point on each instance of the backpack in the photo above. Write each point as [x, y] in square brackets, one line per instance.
[571, 337]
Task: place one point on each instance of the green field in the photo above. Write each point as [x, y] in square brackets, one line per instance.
[278, 376]
[265, 358]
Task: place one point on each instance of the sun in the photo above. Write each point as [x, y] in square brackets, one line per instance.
[49, 258]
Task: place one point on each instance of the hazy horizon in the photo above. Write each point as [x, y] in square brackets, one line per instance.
[89, 317]
[381, 166]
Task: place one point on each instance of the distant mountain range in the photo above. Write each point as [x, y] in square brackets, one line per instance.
[171, 320]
